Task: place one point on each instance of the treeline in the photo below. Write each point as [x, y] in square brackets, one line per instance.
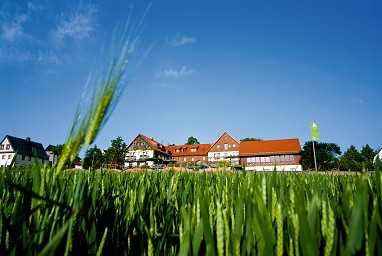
[115, 155]
[330, 157]
[95, 157]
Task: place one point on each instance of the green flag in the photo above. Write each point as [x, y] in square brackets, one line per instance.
[315, 133]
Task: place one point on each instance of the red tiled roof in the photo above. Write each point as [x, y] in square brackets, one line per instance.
[154, 144]
[201, 149]
[269, 147]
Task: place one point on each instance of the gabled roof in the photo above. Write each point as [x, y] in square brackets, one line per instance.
[225, 133]
[50, 148]
[201, 149]
[270, 147]
[26, 147]
[155, 145]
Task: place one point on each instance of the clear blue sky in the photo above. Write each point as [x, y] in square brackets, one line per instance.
[252, 68]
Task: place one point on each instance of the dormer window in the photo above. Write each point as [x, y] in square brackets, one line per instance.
[193, 150]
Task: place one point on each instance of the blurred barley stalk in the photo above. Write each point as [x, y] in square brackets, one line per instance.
[106, 87]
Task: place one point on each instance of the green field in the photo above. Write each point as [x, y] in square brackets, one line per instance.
[79, 213]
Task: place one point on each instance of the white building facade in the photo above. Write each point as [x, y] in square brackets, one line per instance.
[21, 152]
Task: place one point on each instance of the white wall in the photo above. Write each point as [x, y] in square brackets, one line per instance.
[19, 160]
[51, 155]
[136, 154]
[221, 156]
[8, 158]
[378, 155]
[279, 168]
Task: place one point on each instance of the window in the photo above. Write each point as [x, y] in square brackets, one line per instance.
[22, 157]
[287, 158]
[8, 146]
[234, 145]
[291, 158]
[9, 156]
[218, 146]
[29, 159]
[263, 159]
[282, 158]
[3, 157]
[257, 159]
[1, 146]
[193, 150]
[249, 160]
[192, 159]
[272, 159]
[185, 159]
[176, 150]
[225, 146]
[267, 159]
[277, 158]
[204, 158]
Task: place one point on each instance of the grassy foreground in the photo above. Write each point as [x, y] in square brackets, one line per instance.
[45, 212]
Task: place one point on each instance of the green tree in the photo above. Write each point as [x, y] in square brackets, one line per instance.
[368, 155]
[93, 158]
[192, 140]
[224, 164]
[117, 152]
[251, 139]
[351, 160]
[57, 150]
[326, 155]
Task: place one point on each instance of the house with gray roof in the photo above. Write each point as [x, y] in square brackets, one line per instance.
[23, 151]
[49, 150]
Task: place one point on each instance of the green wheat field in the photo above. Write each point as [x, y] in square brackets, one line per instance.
[44, 212]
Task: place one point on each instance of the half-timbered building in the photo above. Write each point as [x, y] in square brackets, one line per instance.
[146, 151]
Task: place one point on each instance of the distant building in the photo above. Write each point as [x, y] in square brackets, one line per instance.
[284, 155]
[265, 155]
[225, 148]
[195, 153]
[378, 155]
[146, 151]
[78, 165]
[52, 157]
[23, 151]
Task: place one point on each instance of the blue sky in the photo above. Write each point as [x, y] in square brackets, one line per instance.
[252, 68]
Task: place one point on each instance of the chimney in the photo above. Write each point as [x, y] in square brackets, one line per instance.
[28, 139]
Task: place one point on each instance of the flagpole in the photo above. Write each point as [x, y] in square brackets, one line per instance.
[314, 154]
[315, 136]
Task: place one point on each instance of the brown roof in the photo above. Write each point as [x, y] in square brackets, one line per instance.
[154, 144]
[269, 147]
[201, 149]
